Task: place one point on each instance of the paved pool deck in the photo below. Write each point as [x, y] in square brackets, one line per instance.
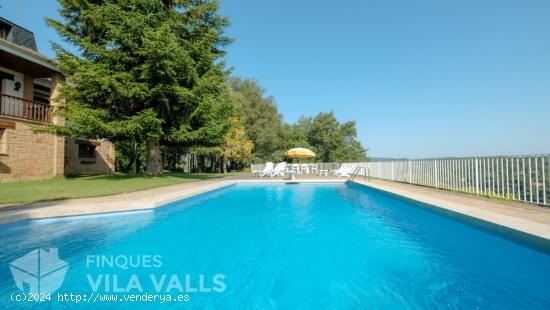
[526, 218]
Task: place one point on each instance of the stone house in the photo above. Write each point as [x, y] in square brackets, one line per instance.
[29, 88]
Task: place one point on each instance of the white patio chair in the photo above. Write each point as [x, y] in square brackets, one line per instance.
[314, 169]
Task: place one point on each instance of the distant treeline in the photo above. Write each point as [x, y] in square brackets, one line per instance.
[331, 140]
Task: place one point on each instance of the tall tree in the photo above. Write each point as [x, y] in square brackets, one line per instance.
[148, 70]
[326, 137]
[332, 141]
[237, 147]
[262, 121]
[353, 150]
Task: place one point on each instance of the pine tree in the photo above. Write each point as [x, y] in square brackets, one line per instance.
[149, 71]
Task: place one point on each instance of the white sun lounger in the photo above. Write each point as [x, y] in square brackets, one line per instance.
[267, 169]
[279, 170]
[344, 171]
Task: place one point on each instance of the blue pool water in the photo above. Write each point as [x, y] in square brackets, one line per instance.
[279, 246]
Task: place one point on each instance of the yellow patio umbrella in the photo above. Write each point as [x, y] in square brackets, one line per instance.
[300, 152]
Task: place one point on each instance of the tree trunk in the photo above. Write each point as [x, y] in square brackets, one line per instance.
[134, 162]
[212, 164]
[201, 163]
[154, 159]
[224, 164]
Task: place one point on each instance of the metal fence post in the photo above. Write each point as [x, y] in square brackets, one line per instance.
[436, 170]
[410, 172]
[477, 176]
[392, 171]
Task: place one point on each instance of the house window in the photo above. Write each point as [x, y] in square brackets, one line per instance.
[41, 90]
[86, 151]
[3, 141]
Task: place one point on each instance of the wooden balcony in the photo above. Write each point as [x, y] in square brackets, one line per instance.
[25, 109]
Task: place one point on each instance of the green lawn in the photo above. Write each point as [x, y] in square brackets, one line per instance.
[90, 186]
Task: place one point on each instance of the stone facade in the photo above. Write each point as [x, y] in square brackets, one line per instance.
[89, 156]
[27, 155]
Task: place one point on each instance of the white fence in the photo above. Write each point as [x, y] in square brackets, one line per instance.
[522, 178]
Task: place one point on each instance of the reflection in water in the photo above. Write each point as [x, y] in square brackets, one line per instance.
[301, 200]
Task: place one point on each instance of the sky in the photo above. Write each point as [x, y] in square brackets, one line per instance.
[422, 78]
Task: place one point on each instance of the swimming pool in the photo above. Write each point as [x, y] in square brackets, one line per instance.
[300, 246]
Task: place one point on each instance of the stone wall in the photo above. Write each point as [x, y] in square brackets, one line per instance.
[28, 155]
[101, 161]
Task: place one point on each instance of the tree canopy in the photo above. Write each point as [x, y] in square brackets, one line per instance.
[259, 114]
[147, 70]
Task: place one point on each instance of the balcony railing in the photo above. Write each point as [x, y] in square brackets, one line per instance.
[25, 109]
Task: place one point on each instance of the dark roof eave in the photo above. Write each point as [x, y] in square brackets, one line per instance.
[29, 55]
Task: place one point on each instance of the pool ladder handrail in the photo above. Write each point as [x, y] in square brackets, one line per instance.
[357, 170]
